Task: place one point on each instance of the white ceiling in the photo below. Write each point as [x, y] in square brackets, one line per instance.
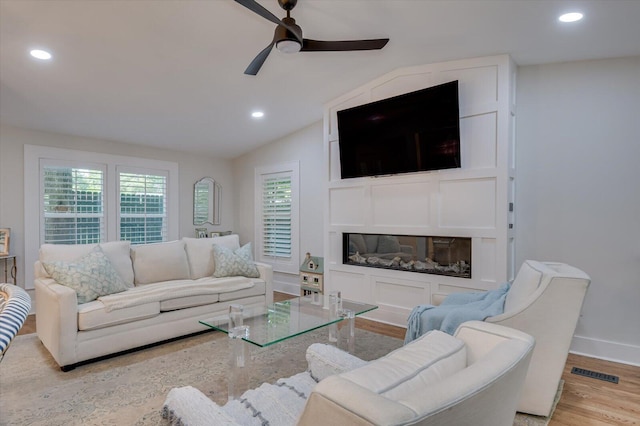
[169, 73]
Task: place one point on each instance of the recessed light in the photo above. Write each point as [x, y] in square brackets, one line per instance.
[257, 114]
[570, 17]
[40, 54]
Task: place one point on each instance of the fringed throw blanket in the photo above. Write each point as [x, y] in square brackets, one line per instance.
[454, 310]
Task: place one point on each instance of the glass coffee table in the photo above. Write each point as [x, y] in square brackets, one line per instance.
[264, 326]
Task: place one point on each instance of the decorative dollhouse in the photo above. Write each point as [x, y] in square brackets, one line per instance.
[311, 275]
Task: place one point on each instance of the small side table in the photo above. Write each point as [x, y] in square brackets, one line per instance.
[10, 268]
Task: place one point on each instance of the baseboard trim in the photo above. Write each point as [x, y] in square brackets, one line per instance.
[605, 350]
[285, 287]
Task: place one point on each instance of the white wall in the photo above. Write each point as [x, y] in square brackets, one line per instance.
[304, 146]
[578, 193]
[191, 168]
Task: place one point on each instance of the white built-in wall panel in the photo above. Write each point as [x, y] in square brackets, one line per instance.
[472, 201]
[347, 206]
[478, 141]
[397, 296]
[468, 203]
[403, 205]
[401, 84]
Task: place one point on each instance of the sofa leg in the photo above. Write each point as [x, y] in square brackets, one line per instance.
[67, 368]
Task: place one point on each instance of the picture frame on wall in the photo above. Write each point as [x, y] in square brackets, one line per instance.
[5, 234]
[201, 233]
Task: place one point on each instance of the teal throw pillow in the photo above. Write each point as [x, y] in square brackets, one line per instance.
[230, 263]
[91, 276]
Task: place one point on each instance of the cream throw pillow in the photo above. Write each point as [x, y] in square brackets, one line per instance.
[159, 262]
[91, 276]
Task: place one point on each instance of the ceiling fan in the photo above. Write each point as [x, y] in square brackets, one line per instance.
[288, 37]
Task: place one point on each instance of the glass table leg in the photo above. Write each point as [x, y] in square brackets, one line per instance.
[350, 318]
[239, 353]
[335, 300]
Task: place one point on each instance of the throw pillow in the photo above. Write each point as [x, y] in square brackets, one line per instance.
[232, 263]
[388, 244]
[91, 276]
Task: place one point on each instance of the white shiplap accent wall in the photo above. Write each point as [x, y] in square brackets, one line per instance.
[472, 201]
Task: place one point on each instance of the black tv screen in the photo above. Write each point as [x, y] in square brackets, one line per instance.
[413, 132]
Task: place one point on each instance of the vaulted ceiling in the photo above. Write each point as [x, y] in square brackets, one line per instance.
[169, 73]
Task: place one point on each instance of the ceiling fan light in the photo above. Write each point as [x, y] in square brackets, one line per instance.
[288, 46]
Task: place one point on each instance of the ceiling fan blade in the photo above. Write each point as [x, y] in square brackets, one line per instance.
[255, 7]
[347, 45]
[257, 62]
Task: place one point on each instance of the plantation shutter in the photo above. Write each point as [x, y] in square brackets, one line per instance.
[277, 215]
[142, 207]
[73, 204]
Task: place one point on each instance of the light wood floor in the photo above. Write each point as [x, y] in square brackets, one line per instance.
[584, 402]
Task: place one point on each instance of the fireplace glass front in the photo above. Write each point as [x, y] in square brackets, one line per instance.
[423, 254]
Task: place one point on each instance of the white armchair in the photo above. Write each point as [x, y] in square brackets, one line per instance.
[544, 301]
[472, 378]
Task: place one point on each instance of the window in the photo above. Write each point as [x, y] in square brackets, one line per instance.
[78, 197]
[143, 207]
[277, 221]
[73, 204]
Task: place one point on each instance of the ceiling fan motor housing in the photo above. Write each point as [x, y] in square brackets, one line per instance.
[287, 41]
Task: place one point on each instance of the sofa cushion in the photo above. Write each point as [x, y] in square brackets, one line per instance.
[371, 240]
[358, 241]
[188, 302]
[160, 262]
[94, 315]
[258, 289]
[91, 276]
[200, 253]
[526, 282]
[423, 362]
[388, 244]
[116, 251]
[230, 263]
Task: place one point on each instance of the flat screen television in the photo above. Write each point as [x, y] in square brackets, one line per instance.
[413, 132]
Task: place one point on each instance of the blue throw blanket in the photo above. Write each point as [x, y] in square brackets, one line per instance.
[455, 309]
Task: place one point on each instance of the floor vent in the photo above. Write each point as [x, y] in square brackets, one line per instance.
[594, 375]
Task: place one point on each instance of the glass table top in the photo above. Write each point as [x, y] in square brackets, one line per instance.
[282, 320]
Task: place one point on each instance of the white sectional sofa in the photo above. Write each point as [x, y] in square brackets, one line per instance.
[169, 287]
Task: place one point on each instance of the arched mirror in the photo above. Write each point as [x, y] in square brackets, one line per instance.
[206, 202]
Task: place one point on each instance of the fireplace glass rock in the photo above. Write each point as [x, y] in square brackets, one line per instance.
[423, 254]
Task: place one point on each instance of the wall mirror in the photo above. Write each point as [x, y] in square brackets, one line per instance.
[206, 202]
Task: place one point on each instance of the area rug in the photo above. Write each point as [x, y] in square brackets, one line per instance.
[130, 389]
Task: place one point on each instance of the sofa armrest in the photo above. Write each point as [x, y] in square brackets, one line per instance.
[266, 274]
[57, 319]
[326, 360]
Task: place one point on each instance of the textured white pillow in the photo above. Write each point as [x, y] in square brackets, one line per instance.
[425, 361]
[91, 276]
[230, 263]
[116, 251]
[159, 262]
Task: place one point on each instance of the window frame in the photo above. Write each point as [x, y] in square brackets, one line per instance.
[292, 265]
[35, 155]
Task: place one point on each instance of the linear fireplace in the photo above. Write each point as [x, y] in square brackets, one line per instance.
[422, 254]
